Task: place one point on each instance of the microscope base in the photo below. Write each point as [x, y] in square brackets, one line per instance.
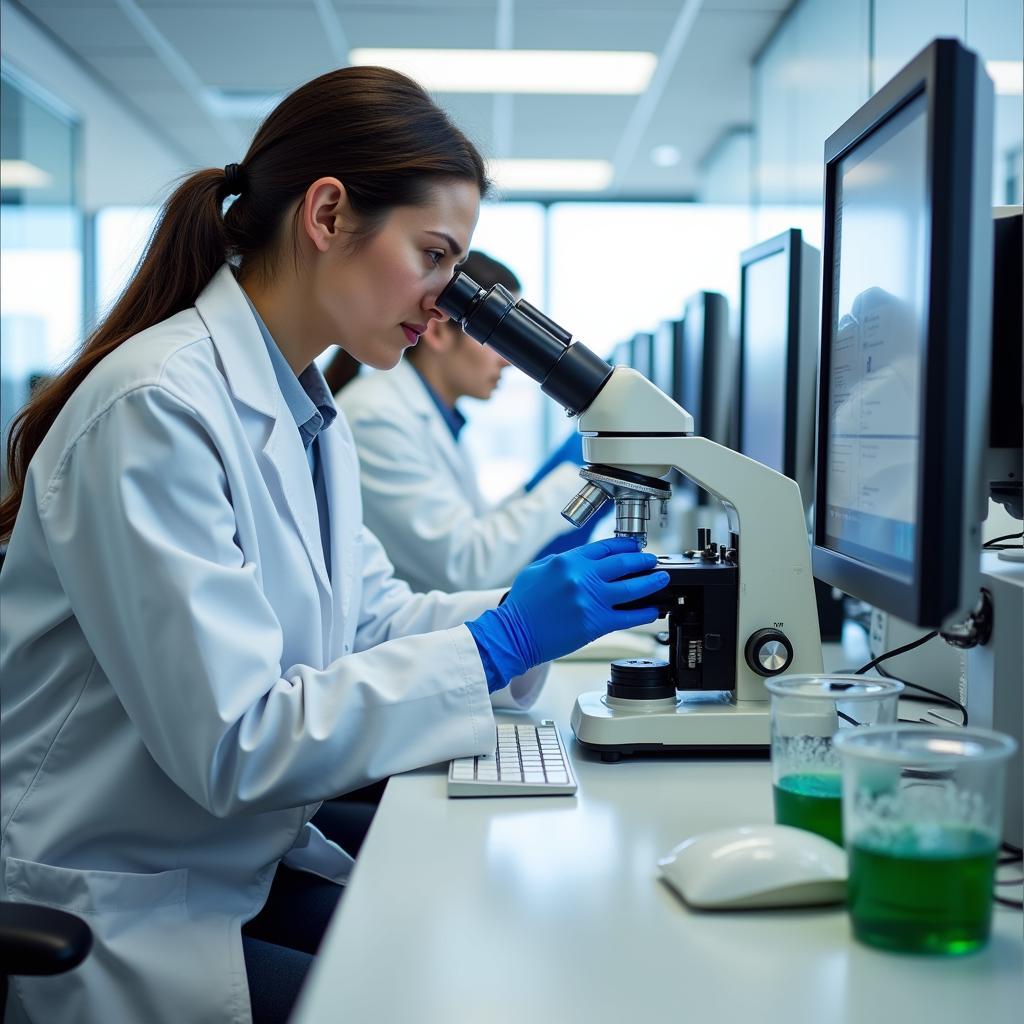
[700, 723]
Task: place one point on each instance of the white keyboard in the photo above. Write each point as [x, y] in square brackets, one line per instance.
[530, 761]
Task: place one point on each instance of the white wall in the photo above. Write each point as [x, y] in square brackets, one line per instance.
[829, 56]
[122, 160]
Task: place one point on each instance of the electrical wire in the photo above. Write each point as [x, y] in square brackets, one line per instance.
[995, 544]
[944, 699]
[897, 650]
[1012, 904]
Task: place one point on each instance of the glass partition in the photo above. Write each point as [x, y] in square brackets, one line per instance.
[41, 302]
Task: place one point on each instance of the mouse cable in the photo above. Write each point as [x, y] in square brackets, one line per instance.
[1013, 853]
[895, 651]
[944, 699]
[995, 544]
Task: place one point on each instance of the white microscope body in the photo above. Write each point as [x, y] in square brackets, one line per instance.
[631, 425]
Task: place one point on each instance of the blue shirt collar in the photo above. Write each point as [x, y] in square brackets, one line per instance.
[453, 419]
[307, 396]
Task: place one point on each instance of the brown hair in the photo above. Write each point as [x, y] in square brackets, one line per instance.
[374, 129]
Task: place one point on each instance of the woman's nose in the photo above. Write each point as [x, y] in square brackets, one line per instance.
[433, 311]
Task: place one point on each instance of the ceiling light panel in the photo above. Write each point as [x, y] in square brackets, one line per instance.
[605, 73]
[1007, 76]
[550, 175]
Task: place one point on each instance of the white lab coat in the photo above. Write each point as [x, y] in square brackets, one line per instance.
[420, 494]
[182, 683]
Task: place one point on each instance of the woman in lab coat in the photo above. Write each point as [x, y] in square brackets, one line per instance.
[200, 641]
[419, 484]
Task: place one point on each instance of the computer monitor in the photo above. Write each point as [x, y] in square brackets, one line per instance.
[778, 356]
[1006, 421]
[667, 358]
[622, 353]
[906, 317]
[707, 372]
[707, 365]
[640, 353]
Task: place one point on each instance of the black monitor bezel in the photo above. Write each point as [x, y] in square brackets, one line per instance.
[642, 340]
[946, 74]
[789, 244]
[621, 353]
[673, 330]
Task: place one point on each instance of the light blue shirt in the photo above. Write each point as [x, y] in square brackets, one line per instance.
[311, 405]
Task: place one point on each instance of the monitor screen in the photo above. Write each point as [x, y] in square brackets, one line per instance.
[663, 357]
[765, 333]
[876, 344]
[622, 353]
[906, 349]
[640, 358]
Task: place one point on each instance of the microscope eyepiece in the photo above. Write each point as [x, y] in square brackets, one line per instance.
[459, 297]
[567, 371]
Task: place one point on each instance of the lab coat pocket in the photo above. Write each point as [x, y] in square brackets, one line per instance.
[143, 942]
[93, 892]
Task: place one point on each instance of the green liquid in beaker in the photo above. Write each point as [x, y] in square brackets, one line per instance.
[811, 801]
[933, 900]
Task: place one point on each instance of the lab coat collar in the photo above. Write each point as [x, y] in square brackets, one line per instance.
[412, 392]
[250, 376]
[410, 386]
[237, 338]
[453, 419]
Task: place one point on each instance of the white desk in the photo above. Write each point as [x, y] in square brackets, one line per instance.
[530, 910]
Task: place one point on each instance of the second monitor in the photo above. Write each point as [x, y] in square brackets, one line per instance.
[778, 356]
[706, 374]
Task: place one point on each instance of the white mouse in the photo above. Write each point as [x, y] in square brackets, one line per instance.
[757, 866]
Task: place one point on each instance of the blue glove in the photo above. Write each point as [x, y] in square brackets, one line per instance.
[570, 450]
[563, 602]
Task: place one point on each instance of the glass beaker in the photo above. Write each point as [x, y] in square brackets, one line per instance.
[922, 815]
[806, 712]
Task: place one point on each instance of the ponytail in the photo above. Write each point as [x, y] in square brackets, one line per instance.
[374, 129]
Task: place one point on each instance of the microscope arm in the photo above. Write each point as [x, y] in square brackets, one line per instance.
[634, 426]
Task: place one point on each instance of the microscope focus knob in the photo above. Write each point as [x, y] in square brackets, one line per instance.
[769, 652]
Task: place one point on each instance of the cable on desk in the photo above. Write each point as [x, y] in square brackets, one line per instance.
[944, 699]
[995, 544]
[1012, 904]
[1013, 853]
[895, 651]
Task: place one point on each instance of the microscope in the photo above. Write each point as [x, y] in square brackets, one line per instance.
[740, 609]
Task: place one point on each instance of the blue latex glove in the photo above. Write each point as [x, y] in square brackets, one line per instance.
[570, 450]
[563, 602]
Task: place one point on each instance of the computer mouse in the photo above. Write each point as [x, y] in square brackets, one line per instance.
[757, 866]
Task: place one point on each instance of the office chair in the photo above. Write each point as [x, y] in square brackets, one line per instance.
[39, 940]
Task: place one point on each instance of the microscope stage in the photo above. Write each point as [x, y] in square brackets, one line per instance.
[698, 723]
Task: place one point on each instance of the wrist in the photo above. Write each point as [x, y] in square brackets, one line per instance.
[502, 645]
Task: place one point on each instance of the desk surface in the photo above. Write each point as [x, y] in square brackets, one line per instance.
[551, 909]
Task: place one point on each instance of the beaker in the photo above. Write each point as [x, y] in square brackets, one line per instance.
[806, 712]
[922, 816]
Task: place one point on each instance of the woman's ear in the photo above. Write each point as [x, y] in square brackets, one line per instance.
[325, 212]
